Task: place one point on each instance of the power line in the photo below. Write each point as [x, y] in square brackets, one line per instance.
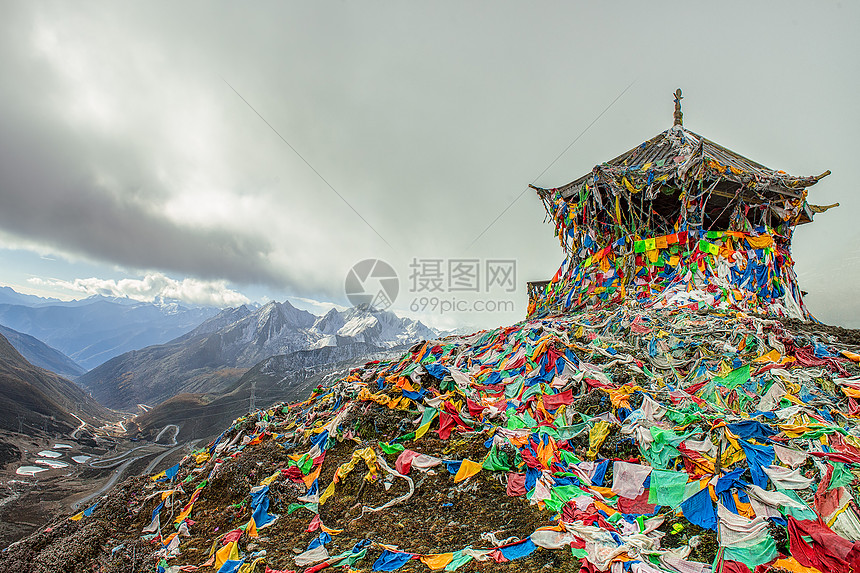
[505, 210]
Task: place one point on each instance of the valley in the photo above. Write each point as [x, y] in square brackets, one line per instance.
[45, 477]
[65, 444]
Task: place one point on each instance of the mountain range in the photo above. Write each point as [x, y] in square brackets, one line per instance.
[96, 329]
[212, 358]
[10, 296]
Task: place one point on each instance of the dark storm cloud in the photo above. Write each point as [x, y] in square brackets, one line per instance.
[87, 191]
[49, 195]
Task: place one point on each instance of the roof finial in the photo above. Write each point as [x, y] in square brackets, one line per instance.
[679, 116]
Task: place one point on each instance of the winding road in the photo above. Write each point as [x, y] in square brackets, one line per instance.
[151, 466]
[125, 459]
[107, 463]
[164, 429]
[74, 434]
[109, 484]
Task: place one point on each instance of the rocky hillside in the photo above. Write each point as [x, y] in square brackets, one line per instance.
[286, 377]
[32, 398]
[660, 441]
[40, 354]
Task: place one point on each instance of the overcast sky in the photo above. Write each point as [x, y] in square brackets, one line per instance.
[129, 165]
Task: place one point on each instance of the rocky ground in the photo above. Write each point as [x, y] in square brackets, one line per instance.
[622, 360]
[438, 516]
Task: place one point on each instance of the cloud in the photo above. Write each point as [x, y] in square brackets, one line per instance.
[89, 172]
[121, 145]
[152, 287]
[314, 306]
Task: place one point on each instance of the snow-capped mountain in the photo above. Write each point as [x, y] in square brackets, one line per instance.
[379, 328]
[275, 328]
[210, 358]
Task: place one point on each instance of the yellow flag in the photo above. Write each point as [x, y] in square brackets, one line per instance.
[229, 552]
[425, 427]
[329, 530]
[251, 530]
[329, 491]
[468, 468]
[733, 452]
[629, 185]
[185, 513]
[251, 567]
[596, 437]
[772, 356]
[271, 478]
[437, 560]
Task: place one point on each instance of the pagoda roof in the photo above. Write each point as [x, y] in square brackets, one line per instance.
[678, 151]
